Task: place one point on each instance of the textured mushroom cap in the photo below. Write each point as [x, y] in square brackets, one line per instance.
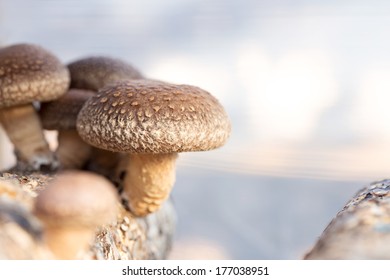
[77, 198]
[30, 73]
[98, 71]
[144, 116]
[62, 113]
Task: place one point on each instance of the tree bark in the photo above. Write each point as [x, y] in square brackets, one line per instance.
[361, 230]
[127, 238]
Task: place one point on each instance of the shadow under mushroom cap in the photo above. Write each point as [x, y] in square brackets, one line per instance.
[62, 113]
[147, 116]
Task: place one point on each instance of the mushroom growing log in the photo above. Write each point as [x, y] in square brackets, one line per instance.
[361, 230]
[22, 234]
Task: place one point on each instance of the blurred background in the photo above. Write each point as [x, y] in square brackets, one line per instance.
[306, 84]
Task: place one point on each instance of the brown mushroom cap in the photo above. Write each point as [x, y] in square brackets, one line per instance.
[30, 73]
[77, 198]
[62, 113]
[144, 116]
[98, 71]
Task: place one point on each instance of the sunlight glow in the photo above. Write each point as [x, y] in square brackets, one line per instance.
[371, 110]
[184, 69]
[287, 95]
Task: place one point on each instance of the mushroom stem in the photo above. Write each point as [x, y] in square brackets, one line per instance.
[72, 151]
[66, 243]
[25, 131]
[148, 182]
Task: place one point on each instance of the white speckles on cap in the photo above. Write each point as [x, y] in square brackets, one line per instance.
[156, 118]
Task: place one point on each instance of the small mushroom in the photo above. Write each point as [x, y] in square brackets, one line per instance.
[95, 72]
[152, 121]
[71, 209]
[61, 115]
[29, 73]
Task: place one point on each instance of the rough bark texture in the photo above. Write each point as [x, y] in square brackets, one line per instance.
[21, 235]
[361, 230]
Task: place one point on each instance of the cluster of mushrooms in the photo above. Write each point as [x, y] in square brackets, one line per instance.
[115, 128]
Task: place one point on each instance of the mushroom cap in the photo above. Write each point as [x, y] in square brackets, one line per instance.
[30, 73]
[62, 113]
[144, 116]
[77, 199]
[96, 72]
